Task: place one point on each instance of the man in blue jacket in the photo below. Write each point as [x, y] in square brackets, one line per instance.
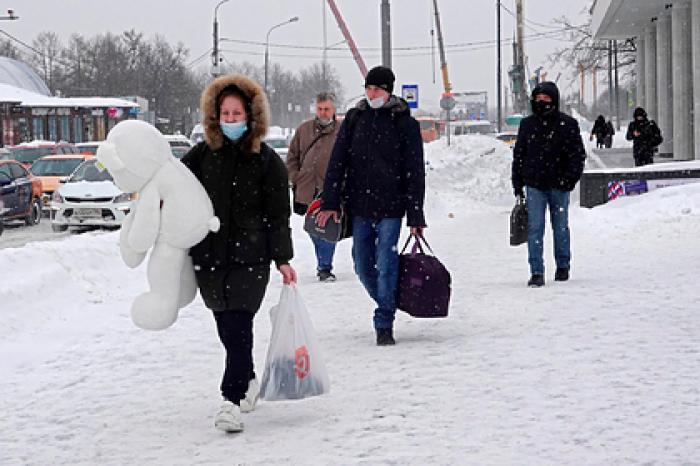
[548, 161]
[377, 173]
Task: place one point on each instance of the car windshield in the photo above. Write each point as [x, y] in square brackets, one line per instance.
[29, 154]
[277, 143]
[179, 152]
[55, 167]
[88, 149]
[89, 172]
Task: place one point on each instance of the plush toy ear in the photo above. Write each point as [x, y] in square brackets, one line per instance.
[108, 156]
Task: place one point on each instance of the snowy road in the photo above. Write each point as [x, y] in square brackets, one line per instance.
[17, 234]
[599, 370]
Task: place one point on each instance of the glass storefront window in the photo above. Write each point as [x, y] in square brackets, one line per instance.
[53, 128]
[38, 127]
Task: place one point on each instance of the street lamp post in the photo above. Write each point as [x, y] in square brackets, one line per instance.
[215, 48]
[267, 44]
[10, 15]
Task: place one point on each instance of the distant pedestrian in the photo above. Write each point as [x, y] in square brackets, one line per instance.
[377, 165]
[307, 162]
[609, 134]
[548, 160]
[599, 131]
[646, 136]
[248, 186]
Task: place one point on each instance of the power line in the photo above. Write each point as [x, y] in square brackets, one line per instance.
[451, 47]
[198, 59]
[476, 48]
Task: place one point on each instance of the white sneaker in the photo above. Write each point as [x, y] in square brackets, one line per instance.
[229, 418]
[251, 396]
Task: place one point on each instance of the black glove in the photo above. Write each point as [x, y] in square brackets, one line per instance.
[519, 192]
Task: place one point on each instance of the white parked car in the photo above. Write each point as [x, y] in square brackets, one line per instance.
[197, 134]
[280, 144]
[178, 140]
[89, 198]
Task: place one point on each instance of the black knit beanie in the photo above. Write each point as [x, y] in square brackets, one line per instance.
[381, 76]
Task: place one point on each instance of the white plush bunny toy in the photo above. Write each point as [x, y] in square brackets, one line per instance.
[173, 213]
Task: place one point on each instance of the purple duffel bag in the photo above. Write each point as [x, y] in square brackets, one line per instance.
[424, 283]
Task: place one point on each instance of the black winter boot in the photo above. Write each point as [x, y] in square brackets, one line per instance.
[561, 275]
[325, 275]
[385, 337]
[536, 281]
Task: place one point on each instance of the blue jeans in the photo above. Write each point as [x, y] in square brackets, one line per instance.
[537, 202]
[324, 253]
[374, 252]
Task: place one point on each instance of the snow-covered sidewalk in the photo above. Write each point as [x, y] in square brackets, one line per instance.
[602, 369]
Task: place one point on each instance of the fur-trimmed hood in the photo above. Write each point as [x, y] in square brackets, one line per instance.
[258, 120]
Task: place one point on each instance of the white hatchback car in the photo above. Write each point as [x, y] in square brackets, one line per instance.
[89, 198]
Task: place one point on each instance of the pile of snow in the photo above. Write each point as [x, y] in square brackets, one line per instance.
[50, 281]
[673, 204]
[475, 169]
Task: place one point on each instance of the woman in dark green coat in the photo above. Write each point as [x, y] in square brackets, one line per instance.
[247, 183]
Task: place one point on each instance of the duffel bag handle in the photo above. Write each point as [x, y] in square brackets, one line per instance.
[417, 245]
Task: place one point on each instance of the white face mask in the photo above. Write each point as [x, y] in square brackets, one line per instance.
[375, 103]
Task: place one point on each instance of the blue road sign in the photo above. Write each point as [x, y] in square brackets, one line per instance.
[410, 94]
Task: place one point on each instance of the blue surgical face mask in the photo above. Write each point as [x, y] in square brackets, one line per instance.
[234, 131]
[375, 103]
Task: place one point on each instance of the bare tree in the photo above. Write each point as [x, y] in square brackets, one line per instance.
[583, 51]
[46, 57]
[8, 49]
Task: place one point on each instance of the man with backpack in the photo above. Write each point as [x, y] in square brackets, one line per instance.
[377, 176]
[307, 162]
[646, 136]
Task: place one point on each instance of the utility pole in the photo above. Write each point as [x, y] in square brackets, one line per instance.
[325, 41]
[499, 83]
[386, 33]
[595, 87]
[521, 55]
[215, 70]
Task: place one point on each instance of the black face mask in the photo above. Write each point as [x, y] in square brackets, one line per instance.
[541, 108]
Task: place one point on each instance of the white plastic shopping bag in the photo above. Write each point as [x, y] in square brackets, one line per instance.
[294, 367]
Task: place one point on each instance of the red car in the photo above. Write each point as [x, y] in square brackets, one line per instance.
[20, 193]
[29, 152]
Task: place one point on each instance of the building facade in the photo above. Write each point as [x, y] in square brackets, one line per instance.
[29, 112]
[667, 36]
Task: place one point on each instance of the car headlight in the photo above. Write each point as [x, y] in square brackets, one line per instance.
[56, 197]
[124, 197]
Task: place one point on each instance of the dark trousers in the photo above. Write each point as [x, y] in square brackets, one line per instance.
[236, 333]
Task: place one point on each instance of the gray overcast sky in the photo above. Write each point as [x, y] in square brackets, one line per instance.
[190, 22]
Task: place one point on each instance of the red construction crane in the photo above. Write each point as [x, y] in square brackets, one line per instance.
[346, 33]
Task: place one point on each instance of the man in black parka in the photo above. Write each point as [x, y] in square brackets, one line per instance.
[548, 160]
[646, 136]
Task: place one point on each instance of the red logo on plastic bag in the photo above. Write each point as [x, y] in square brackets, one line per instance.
[302, 365]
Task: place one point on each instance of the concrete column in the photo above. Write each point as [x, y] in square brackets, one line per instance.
[650, 67]
[695, 23]
[682, 82]
[664, 82]
[641, 71]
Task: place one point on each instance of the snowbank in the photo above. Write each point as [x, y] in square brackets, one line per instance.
[48, 282]
[471, 173]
